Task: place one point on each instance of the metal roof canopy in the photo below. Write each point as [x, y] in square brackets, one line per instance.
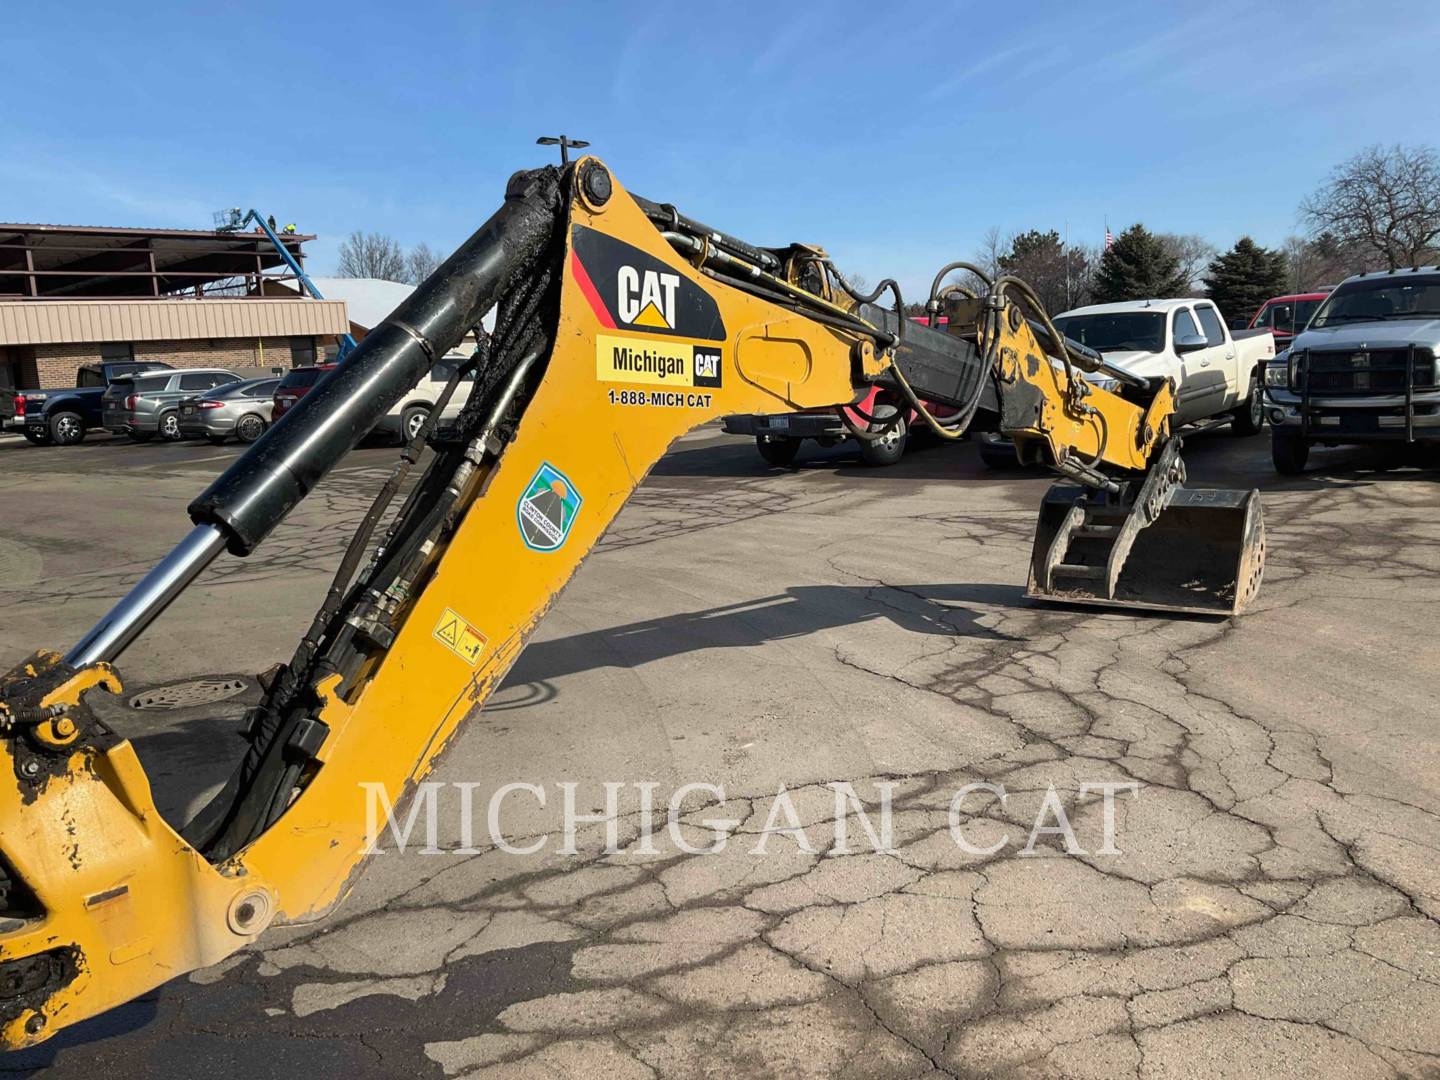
[142, 319]
[82, 261]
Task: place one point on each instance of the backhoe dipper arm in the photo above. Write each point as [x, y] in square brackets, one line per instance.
[620, 326]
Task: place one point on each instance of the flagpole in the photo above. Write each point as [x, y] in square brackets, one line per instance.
[1068, 297]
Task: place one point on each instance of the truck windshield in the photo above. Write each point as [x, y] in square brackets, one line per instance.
[1138, 331]
[1288, 316]
[1412, 296]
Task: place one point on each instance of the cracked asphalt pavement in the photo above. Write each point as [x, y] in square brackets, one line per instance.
[1274, 908]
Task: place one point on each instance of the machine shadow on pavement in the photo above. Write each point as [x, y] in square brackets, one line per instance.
[925, 460]
[189, 755]
[935, 609]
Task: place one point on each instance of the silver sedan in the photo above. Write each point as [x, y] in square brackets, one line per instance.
[241, 409]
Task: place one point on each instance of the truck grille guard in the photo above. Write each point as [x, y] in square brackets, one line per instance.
[1393, 378]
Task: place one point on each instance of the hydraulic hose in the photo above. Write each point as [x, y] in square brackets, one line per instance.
[252, 496]
[1076, 384]
[1057, 339]
[950, 268]
[360, 540]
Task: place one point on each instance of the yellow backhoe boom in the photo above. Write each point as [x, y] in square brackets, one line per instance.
[621, 324]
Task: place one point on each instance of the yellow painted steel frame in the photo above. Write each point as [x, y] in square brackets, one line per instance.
[135, 905]
[1094, 424]
[129, 904]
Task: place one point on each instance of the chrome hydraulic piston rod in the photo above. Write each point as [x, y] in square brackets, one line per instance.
[265, 483]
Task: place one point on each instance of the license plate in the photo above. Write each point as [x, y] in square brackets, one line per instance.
[1361, 424]
[779, 423]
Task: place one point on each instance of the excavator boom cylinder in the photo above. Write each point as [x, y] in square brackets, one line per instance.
[263, 485]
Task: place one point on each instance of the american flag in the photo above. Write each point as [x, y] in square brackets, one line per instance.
[1109, 238]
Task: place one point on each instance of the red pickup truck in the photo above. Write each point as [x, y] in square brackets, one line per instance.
[1286, 316]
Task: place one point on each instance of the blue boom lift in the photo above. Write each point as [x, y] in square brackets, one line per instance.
[234, 220]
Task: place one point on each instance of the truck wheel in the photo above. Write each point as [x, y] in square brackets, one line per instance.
[249, 428]
[890, 447]
[67, 429]
[1249, 417]
[1289, 452]
[411, 421]
[170, 427]
[777, 450]
[36, 437]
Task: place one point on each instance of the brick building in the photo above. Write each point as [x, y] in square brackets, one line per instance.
[71, 295]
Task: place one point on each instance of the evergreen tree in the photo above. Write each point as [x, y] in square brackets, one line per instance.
[1245, 277]
[1059, 275]
[1138, 266]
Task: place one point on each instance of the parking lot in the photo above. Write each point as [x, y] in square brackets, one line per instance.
[1272, 907]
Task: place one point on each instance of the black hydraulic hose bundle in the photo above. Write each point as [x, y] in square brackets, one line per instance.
[524, 314]
[265, 483]
[871, 432]
[360, 539]
[950, 268]
[256, 492]
[754, 270]
[1060, 345]
[522, 330]
[956, 426]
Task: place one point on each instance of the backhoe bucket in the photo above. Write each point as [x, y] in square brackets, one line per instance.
[1186, 550]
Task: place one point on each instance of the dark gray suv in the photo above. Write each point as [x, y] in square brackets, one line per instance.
[1365, 370]
[148, 405]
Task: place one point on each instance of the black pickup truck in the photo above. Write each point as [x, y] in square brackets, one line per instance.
[64, 416]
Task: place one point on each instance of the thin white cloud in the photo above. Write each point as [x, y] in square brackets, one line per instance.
[947, 87]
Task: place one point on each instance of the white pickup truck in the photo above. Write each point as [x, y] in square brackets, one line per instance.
[1217, 373]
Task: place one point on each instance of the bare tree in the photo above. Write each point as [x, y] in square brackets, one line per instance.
[1082, 262]
[372, 255]
[420, 263]
[994, 246]
[1193, 254]
[1382, 201]
[1323, 261]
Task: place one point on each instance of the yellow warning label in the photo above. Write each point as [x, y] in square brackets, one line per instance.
[641, 360]
[460, 637]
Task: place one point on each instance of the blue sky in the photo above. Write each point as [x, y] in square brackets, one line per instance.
[894, 135]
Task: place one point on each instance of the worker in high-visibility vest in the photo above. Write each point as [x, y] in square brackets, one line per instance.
[290, 228]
